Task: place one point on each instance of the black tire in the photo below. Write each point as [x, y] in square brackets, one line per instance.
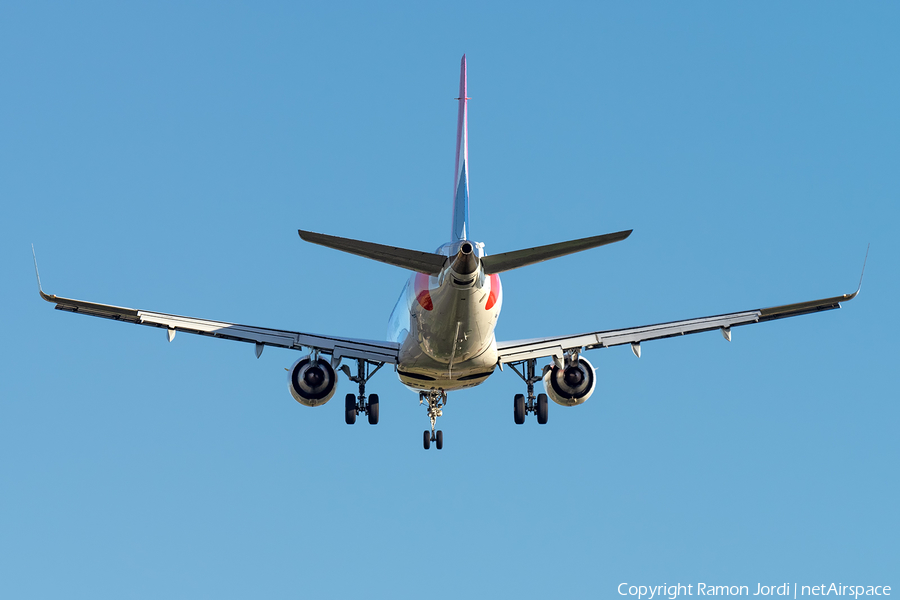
[519, 409]
[350, 409]
[439, 439]
[543, 409]
[427, 439]
[373, 409]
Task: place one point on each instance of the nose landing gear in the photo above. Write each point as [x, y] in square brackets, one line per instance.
[436, 400]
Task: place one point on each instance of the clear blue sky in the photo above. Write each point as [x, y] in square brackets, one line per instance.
[163, 155]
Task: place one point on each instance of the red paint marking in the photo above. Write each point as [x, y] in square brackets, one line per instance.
[495, 292]
[421, 290]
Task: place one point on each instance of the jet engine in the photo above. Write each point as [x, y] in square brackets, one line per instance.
[312, 383]
[572, 385]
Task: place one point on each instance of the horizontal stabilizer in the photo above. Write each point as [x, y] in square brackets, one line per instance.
[420, 262]
[497, 263]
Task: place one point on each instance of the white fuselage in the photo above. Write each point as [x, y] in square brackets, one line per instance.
[445, 327]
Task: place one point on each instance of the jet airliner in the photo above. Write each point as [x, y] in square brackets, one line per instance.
[441, 332]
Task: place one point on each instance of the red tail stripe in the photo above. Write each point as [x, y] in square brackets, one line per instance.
[422, 294]
[495, 292]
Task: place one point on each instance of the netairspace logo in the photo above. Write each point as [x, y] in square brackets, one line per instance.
[785, 589]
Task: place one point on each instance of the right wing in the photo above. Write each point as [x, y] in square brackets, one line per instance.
[557, 347]
[373, 351]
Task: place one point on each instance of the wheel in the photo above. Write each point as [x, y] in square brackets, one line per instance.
[439, 439]
[543, 409]
[519, 409]
[350, 409]
[426, 439]
[373, 409]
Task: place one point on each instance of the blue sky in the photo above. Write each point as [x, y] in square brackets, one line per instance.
[162, 156]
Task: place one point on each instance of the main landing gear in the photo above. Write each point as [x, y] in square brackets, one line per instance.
[353, 405]
[536, 404]
[436, 400]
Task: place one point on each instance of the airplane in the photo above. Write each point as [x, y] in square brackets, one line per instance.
[441, 331]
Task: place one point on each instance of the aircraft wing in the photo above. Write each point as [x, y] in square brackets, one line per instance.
[516, 351]
[373, 351]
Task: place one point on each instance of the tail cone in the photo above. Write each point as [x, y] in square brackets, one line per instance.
[465, 262]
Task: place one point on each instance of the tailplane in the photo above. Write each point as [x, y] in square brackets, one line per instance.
[466, 261]
[421, 262]
[507, 261]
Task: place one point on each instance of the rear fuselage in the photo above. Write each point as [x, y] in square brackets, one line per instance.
[445, 323]
[445, 326]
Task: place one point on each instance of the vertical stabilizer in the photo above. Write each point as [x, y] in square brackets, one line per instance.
[461, 182]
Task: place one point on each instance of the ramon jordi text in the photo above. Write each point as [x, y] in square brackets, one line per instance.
[790, 590]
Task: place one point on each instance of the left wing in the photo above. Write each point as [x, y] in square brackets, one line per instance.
[374, 351]
[557, 347]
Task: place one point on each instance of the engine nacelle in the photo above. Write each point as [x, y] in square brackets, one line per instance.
[570, 386]
[312, 383]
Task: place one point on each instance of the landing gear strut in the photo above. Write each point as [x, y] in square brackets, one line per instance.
[353, 405]
[523, 405]
[435, 400]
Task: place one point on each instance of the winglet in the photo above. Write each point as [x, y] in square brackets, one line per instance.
[38, 275]
[859, 287]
